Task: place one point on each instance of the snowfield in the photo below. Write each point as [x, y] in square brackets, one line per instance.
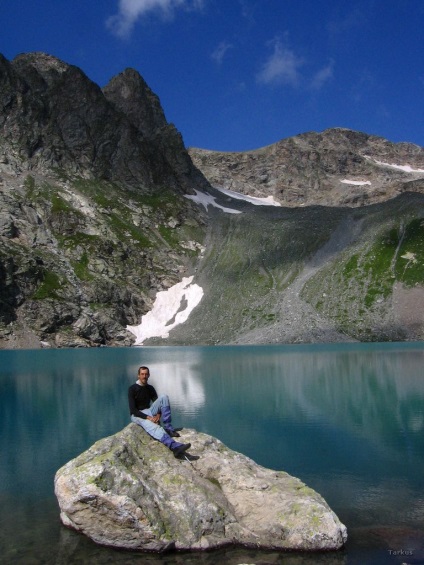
[268, 201]
[171, 308]
[205, 199]
[356, 182]
[404, 168]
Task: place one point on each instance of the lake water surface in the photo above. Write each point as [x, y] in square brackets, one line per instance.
[347, 419]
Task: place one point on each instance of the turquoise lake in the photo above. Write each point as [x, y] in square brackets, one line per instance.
[347, 419]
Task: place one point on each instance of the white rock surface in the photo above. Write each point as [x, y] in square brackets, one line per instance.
[129, 491]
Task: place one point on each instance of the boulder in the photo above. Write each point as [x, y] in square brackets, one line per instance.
[129, 491]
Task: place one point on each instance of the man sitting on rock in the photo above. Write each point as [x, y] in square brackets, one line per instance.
[146, 410]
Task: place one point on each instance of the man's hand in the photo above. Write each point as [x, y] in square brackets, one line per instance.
[154, 419]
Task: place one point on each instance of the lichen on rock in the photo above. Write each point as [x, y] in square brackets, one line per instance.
[128, 491]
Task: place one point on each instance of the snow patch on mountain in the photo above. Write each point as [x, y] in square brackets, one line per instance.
[405, 168]
[205, 199]
[356, 182]
[268, 201]
[171, 308]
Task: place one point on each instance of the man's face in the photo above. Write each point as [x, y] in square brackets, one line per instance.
[143, 376]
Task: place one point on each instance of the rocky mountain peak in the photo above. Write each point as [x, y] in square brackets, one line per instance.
[49, 67]
[336, 167]
[54, 116]
[130, 94]
[92, 214]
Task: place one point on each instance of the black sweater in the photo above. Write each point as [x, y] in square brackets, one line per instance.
[139, 398]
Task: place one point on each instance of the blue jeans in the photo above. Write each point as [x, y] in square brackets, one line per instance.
[161, 405]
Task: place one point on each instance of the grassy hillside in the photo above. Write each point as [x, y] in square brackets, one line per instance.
[358, 289]
[275, 275]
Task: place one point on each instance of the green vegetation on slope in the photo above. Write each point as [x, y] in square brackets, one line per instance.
[50, 287]
[355, 289]
[87, 256]
[251, 260]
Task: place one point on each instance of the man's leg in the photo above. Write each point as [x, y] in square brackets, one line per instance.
[163, 406]
[151, 428]
[176, 447]
[157, 432]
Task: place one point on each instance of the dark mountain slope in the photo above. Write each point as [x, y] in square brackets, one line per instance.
[92, 220]
[55, 117]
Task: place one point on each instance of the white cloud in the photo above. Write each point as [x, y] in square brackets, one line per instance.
[219, 53]
[248, 11]
[130, 11]
[363, 86]
[350, 22]
[322, 76]
[383, 112]
[282, 67]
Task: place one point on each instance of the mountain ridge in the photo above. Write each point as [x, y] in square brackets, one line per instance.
[57, 117]
[102, 207]
[310, 168]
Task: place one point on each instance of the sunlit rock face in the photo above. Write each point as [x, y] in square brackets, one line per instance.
[129, 491]
[336, 167]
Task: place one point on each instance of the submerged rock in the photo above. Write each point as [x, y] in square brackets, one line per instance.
[128, 491]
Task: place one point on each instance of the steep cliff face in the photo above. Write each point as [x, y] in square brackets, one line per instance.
[337, 167]
[92, 221]
[129, 94]
[55, 117]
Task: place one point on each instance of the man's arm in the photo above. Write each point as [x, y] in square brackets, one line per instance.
[153, 393]
[153, 396]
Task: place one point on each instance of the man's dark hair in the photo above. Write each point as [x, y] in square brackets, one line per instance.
[143, 367]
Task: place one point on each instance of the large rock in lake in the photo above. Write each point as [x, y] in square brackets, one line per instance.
[129, 491]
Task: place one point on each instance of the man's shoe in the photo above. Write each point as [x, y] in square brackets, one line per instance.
[191, 457]
[172, 433]
[181, 449]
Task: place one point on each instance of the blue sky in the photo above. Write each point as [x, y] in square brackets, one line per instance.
[234, 75]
